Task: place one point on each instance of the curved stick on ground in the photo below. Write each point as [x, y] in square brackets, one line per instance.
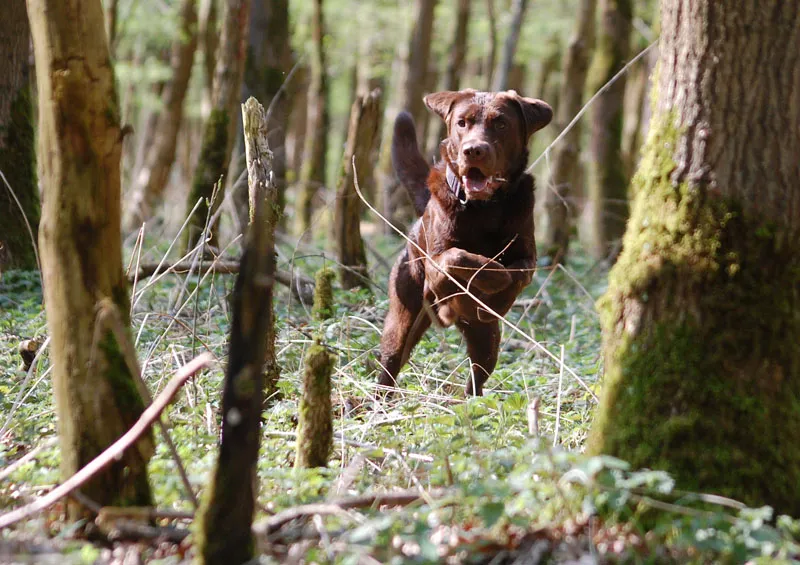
[148, 417]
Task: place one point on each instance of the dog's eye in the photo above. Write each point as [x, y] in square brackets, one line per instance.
[500, 124]
[462, 123]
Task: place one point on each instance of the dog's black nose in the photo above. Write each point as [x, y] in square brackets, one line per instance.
[475, 150]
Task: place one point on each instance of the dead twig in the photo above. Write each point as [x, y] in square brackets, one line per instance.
[400, 498]
[115, 450]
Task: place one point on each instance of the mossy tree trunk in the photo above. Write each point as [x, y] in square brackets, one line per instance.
[269, 61]
[225, 534]
[315, 147]
[559, 196]
[215, 152]
[455, 62]
[17, 151]
[148, 186]
[701, 321]
[412, 74]
[81, 249]
[361, 138]
[607, 183]
[510, 47]
[315, 420]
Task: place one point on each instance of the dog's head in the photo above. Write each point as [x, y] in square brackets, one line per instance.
[487, 136]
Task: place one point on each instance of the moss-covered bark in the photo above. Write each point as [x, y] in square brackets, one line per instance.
[702, 322]
[212, 166]
[607, 181]
[17, 151]
[315, 421]
[324, 307]
[86, 294]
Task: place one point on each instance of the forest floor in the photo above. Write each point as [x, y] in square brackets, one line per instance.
[500, 479]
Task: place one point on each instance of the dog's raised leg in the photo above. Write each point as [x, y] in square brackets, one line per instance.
[404, 326]
[483, 343]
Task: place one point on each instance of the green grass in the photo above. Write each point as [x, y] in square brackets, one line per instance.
[503, 488]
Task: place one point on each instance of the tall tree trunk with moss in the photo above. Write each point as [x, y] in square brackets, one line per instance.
[220, 128]
[607, 183]
[315, 148]
[412, 80]
[559, 195]
[85, 291]
[148, 186]
[455, 63]
[361, 138]
[510, 48]
[227, 513]
[17, 152]
[701, 321]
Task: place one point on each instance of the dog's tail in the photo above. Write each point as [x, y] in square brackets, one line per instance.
[410, 166]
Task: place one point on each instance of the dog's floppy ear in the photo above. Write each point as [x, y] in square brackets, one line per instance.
[537, 113]
[442, 102]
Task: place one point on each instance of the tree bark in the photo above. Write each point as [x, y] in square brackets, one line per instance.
[148, 187]
[269, 61]
[17, 151]
[455, 63]
[510, 48]
[209, 42]
[700, 321]
[215, 153]
[558, 198]
[86, 295]
[491, 58]
[607, 183]
[315, 148]
[412, 80]
[227, 513]
[315, 420]
[361, 139]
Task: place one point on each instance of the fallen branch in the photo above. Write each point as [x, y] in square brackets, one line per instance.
[400, 498]
[116, 449]
[301, 286]
[136, 531]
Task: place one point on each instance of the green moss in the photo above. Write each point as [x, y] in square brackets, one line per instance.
[701, 324]
[315, 421]
[212, 166]
[18, 164]
[324, 307]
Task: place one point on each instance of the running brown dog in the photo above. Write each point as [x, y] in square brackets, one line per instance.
[477, 226]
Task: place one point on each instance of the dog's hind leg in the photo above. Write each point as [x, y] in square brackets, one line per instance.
[483, 343]
[406, 321]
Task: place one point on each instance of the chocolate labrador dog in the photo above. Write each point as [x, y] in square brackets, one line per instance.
[476, 226]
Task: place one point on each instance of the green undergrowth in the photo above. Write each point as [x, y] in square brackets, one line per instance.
[495, 492]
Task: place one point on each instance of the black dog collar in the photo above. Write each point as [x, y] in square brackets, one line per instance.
[455, 185]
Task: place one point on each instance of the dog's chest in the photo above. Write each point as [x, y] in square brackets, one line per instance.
[483, 230]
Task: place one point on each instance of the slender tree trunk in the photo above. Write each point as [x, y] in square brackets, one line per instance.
[608, 185]
[455, 64]
[209, 42]
[86, 293]
[633, 112]
[269, 61]
[148, 186]
[558, 198]
[549, 69]
[369, 79]
[112, 16]
[700, 321]
[219, 130]
[361, 139]
[412, 88]
[491, 59]
[510, 48]
[315, 148]
[227, 513]
[17, 151]
[298, 118]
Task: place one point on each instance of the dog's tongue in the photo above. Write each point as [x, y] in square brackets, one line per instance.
[475, 180]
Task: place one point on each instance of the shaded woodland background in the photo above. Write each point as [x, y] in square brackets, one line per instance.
[207, 269]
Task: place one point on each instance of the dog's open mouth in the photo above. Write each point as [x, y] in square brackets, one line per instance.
[476, 182]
